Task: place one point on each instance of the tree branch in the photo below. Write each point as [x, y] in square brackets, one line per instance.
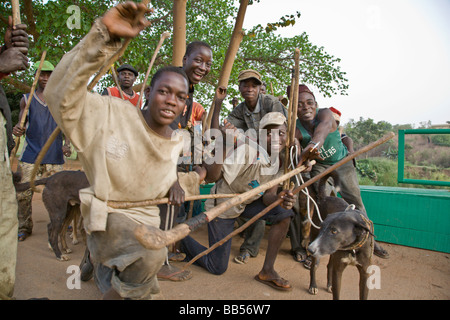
[28, 11]
[21, 86]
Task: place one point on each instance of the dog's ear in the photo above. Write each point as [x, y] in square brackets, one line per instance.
[350, 207]
[360, 224]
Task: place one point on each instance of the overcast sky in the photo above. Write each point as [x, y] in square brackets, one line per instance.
[396, 53]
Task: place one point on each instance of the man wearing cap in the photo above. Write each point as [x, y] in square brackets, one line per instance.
[247, 167]
[248, 113]
[317, 129]
[126, 76]
[39, 125]
[245, 116]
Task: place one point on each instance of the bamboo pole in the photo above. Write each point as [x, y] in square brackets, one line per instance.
[27, 106]
[225, 71]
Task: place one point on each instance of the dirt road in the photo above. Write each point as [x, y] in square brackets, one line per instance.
[409, 274]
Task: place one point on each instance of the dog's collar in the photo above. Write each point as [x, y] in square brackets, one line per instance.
[360, 243]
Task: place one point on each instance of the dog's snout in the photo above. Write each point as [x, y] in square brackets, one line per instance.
[313, 248]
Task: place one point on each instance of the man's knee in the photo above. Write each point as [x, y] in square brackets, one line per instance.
[217, 269]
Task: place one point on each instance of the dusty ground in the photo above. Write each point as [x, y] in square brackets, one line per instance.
[409, 274]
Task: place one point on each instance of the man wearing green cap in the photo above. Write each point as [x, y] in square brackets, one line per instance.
[39, 125]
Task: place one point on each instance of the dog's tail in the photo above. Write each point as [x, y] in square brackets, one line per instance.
[20, 187]
[321, 190]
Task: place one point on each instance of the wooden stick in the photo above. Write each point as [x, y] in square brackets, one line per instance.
[15, 12]
[27, 106]
[179, 32]
[293, 120]
[225, 71]
[293, 110]
[164, 36]
[116, 81]
[155, 238]
[289, 117]
[42, 154]
[127, 205]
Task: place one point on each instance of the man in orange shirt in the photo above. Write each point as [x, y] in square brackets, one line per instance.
[126, 76]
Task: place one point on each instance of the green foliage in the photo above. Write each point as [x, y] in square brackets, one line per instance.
[391, 153]
[364, 131]
[441, 139]
[285, 21]
[377, 172]
[365, 171]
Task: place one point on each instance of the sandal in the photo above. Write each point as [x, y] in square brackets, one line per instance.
[168, 272]
[23, 235]
[279, 284]
[242, 258]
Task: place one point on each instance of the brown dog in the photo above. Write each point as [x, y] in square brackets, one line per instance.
[62, 201]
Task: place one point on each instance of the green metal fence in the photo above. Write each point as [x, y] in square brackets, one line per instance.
[414, 217]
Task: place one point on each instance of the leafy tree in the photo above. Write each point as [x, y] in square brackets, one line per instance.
[364, 131]
[208, 20]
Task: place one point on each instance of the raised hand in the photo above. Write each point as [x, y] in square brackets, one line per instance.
[126, 20]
